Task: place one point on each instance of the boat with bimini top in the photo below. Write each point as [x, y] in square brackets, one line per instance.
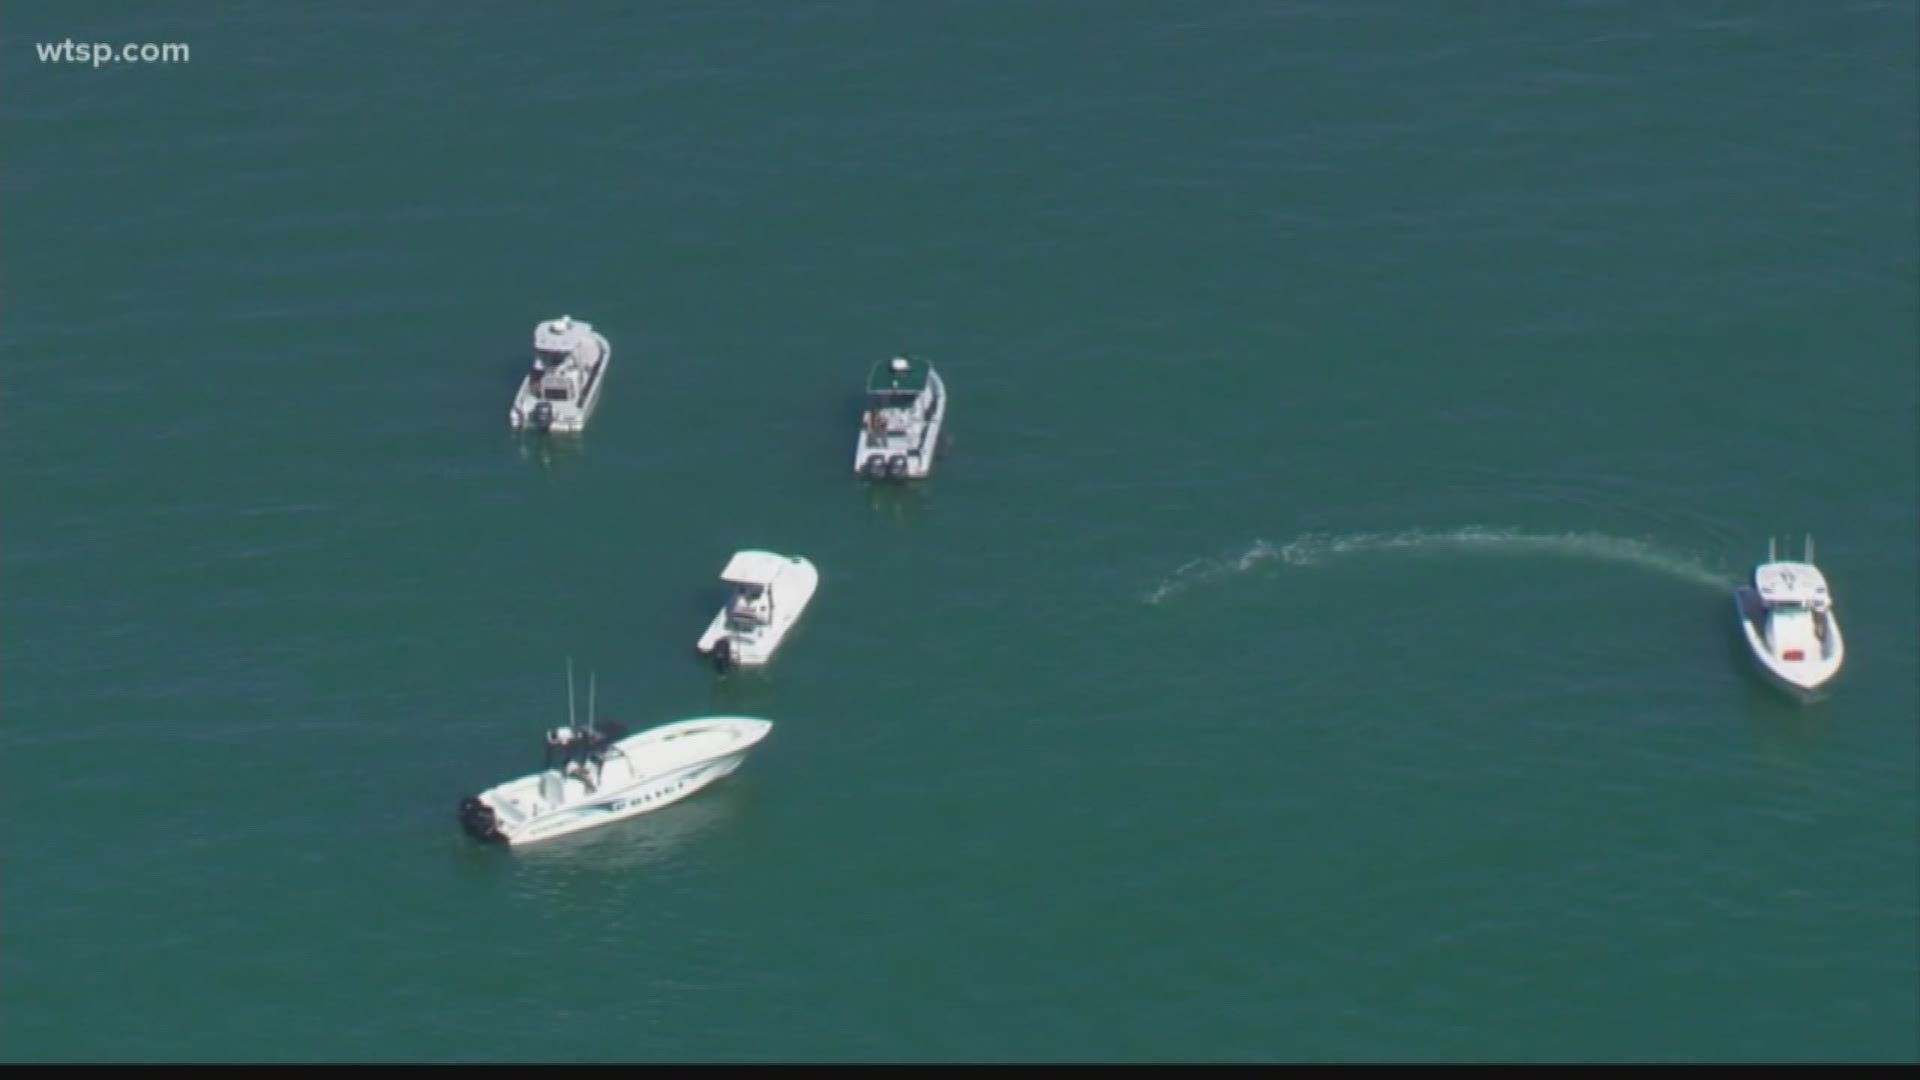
[900, 430]
[1787, 617]
[769, 592]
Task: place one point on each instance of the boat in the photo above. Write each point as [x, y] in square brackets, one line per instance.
[598, 775]
[560, 390]
[768, 594]
[1790, 625]
[900, 428]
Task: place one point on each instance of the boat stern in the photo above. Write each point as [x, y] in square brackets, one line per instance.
[882, 460]
[717, 644]
[729, 650]
[520, 413]
[480, 821]
[877, 457]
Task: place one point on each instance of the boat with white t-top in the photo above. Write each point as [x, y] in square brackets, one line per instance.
[769, 593]
[1787, 617]
[561, 389]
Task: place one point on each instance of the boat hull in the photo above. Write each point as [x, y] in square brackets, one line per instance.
[619, 806]
[1806, 680]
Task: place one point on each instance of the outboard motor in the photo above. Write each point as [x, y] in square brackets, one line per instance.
[723, 655]
[543, 415]
[480, 821]
[875, 466]
[897, 466]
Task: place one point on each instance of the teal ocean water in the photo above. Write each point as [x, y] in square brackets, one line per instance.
[1318, 646]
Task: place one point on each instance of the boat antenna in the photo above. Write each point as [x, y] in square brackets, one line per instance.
[590, 676]
[1809, 555]
[1772, 552]
[569, 692]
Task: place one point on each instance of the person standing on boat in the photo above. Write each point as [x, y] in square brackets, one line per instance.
[558, 740]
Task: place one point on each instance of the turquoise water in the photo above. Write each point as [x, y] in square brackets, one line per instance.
[1318, 647]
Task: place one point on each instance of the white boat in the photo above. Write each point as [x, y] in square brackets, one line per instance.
[769, 593]
[595, 776]
[1788, 618]
[900, 429]
[560, 390]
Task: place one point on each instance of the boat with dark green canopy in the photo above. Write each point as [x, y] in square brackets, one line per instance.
[900, 429]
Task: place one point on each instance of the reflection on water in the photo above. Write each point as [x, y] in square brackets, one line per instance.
[1785, 723]
[895, 503]
[747, 691]
[551, 451]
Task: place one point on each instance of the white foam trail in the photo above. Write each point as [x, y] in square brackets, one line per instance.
[1315, 548]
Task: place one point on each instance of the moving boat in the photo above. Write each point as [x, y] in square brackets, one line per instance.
[598, 774]
[1788, 618]
[769, 593]
[562, 387]
[900, 429]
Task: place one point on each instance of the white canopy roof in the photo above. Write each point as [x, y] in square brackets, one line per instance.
[563, 334]
[1790, 583]
[753, 568]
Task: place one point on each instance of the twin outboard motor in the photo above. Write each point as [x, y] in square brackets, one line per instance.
[882, 467]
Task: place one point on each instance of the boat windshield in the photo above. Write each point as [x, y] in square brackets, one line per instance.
[749, 608]
[891, 399]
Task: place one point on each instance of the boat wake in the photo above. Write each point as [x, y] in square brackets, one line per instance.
[1315, 548]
